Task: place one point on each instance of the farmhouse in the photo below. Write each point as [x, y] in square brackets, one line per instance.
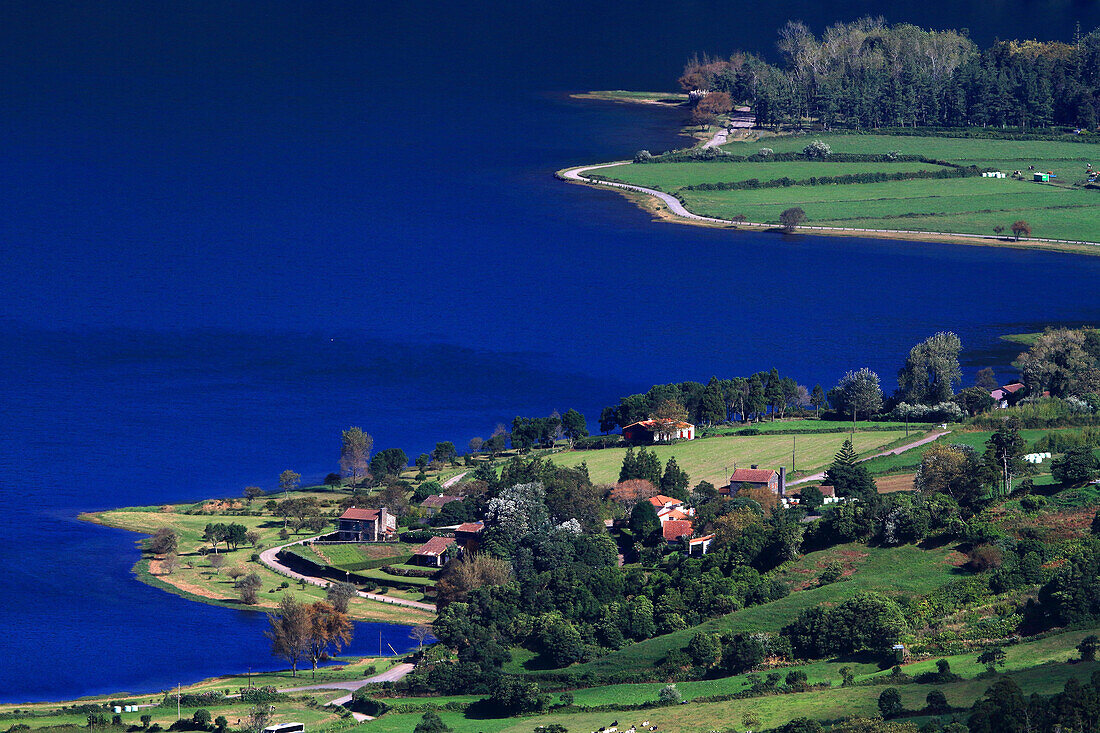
[433, 504]
[366, 525]
[658, 431]
[468, 535]
[679, 533]
[755, 478]
[436, 552]
[1007, 395]
[669, 508]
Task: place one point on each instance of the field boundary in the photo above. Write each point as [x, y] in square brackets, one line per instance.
[677, 208]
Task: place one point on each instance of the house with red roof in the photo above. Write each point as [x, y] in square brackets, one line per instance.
[755, 478]
[1007, 395]
[675, 530]
[433, 504]
[670, 508]
[468, 535]
[645, 432]
[436, 552]
[366, 525]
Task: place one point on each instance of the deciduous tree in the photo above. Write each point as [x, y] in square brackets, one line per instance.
[289, 631]
[355, 448]
[791, 218]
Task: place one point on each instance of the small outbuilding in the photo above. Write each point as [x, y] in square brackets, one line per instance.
[435, 552]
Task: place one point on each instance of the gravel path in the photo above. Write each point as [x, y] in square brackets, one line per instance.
[268, 558]
[674, 205]
[892, 452]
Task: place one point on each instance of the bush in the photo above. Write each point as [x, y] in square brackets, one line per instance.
[643, 156]
[832, 573]
[362, 702]
[594, 442]
[201, 718]
[669, 695]
[936, 702]
[1031, 503]
[1075, 467]
[765, 152]
[817, 149]
[889, 703]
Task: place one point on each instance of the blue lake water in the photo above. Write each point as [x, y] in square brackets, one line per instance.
[230, 232]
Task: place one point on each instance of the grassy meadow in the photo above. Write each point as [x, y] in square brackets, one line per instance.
[712, 459]
[966, 205]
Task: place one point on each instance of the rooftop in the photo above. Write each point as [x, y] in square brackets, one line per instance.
[752, 475]
[434, 547]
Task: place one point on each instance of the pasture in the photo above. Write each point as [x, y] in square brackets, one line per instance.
[712, 459]
[1061, 209]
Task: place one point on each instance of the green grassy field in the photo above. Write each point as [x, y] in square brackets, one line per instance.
[711, 459]
[966, 205]
[911, 458]
[671, 176]
[819, 426]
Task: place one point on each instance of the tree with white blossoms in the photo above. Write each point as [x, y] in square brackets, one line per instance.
[516, 511]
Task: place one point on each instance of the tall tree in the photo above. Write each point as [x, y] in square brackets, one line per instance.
[861, 392]
[1005, 449]
[329, 630]
[713, 408]
[355, 448]
[817, 399]
[288, 481]
[986, 379]
[289, 631]
[574, 426]
[931, 370]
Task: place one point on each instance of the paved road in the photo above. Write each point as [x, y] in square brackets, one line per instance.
[268, 558]
[394, 673]
[739, 120]
[892, 452]
[674, 205]
[453, 480]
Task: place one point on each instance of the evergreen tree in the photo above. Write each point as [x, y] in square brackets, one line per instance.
[675, 480]
[713, 408]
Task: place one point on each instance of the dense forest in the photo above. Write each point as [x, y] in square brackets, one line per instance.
[870, 74]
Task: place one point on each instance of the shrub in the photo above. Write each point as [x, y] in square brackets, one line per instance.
[669, 695]
[362, 702]
[201, 718]
[765, 152]
[1031, 503]
[936, 702]
[832, 573]
[817, 149]
[643, 156]
[889, 702]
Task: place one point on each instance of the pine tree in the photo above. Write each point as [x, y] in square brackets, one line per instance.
[846, 456]
[675, 480]
[630, 466]
[713, 409]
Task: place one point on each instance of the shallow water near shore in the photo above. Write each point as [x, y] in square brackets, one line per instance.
[214, 261]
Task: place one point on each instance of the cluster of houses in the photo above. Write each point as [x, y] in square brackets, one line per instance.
[676, 517]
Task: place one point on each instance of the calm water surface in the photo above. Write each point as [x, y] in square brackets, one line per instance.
[230, 232]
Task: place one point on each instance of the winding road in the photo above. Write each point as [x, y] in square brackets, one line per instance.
[269, 558]
[578, 175]
[394, 673]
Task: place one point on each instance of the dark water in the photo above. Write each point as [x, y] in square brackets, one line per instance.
[231, 230]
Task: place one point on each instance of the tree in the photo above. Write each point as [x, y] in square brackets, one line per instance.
[248, 588]
[475, 444]
[643, 521]
[931, 369]
[713, 407]
[214, 534]
[1021, 229]
[217, 562]
[289, 631]
[1077, 466]
[974, 400]
[704, 649]
[955, 470]
[221, 723]
[329, 629]
[992, 658]
[339, 594]
[675, 480]
[1088, 648]
[574, 426]
[936, 702]
[259, 717]
[201, 718]
[861, 392]
[444, 452]
[559, 640]
[811, 498]
[791, 218]
[817, 399]
[420, 633]
[431, 723]
[389, 462]
[889, 702]
[355, 448]
[253, 492]
[986, 379]
[288, 481]
[1005, 449]
[165, 542]
[1059, 361]
[252, 537]
[817, 149]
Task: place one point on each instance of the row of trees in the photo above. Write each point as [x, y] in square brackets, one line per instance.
[871, 74]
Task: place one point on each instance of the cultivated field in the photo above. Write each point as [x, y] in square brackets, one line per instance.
[711, 459]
